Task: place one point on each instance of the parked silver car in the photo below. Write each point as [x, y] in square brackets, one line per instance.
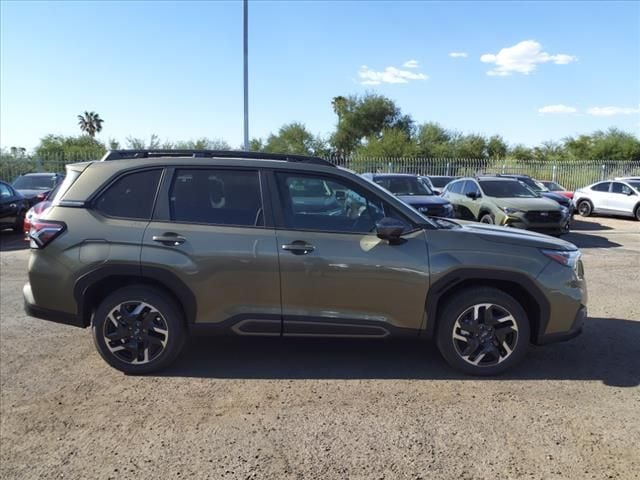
[611, 197]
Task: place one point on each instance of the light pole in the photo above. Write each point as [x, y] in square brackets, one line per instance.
[246, 74]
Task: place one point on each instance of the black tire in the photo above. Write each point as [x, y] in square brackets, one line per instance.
[19, 225]
[585, 208]
[505, 341]
[637, 212]
[157, 349]
[487, 218]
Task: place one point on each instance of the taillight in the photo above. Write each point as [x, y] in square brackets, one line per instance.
[42, 232]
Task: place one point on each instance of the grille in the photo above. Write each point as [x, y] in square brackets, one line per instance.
[543, 216]
[435, 211]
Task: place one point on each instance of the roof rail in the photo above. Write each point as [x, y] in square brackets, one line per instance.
[285, 157]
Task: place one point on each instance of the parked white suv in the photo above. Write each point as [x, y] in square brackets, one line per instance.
[613, 197]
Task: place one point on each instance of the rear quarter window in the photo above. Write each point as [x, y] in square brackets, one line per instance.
[131, 196]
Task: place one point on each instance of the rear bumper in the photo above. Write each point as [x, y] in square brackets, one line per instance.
[574, 331]
[56, 316]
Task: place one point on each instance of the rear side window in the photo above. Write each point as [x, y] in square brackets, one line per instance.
[216, 197]
[131, 196]
[601, 187]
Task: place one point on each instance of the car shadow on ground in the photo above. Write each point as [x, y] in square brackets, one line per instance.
[607, 351]
[10, 241]
[585, 240]
[578, 224]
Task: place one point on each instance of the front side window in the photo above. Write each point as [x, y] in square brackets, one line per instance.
[327, 204]
[455, 187]
[470, 187]
[5, 192]
[131, 196]
[617, 187]
[216, 197]
[601, 187]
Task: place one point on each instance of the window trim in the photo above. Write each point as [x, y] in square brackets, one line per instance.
[279, 210]
[162, 212]
[608, 190]
[91, 203]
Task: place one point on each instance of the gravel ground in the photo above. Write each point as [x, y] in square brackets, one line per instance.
[234, 408]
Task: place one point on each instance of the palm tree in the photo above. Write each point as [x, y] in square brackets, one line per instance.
[90, 123]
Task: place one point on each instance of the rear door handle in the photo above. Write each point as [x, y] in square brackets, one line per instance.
[169, 239]
[299, 247]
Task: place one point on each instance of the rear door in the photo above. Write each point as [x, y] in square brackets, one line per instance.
[599, 195]
[338, 278]
[212, 232]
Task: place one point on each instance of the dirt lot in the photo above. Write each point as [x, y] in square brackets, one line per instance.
[318, 409]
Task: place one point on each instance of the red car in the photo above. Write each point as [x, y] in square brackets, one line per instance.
[557, 188]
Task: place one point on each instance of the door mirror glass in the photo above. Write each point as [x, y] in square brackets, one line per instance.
[472, 195]
[390, 229]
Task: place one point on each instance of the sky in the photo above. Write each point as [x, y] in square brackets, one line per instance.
[529, 71]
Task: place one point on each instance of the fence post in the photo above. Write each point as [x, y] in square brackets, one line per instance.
[554, 175]
[504, 167]
[602, 175]
[448, 168]
[389, 168]
[38, 165]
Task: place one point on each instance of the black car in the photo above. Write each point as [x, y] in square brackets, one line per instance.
[36, 186]
[541, 189]
[13, 207]
[414, 192]
[438, 182]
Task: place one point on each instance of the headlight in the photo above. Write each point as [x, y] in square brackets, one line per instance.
[568, 258]
[510, 211]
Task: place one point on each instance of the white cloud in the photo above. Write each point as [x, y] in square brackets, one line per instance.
[388, 75]
[411, 64]
[611, 111]
[458, 54]
[557, 109]
[523, 57]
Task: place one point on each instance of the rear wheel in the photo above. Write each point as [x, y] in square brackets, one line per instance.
[483, 331]
[138, 330]
[637, 213]
[585, 208]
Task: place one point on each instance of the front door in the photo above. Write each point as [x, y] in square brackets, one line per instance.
[337, 277]
[209, 231]
[621, 199]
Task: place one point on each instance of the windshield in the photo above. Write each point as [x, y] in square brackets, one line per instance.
[440, 182]
[403, 185]
[533, 185]
[507, 189]
[635, 184]
[34, 182]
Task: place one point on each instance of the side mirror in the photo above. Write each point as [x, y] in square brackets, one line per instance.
[630, 192]
[390, 229]
[472, 195]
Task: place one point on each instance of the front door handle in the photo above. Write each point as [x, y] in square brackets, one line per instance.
[299, 247]
[169, 239]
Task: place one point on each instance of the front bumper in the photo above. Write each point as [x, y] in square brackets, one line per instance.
[574, 331]
[518, 221]
[56, 316]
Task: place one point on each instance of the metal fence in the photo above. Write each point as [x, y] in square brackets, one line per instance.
[570, 174]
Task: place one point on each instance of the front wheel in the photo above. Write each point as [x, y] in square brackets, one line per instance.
[483, 331]
[487, 218]
[138, 330]
[637, 213]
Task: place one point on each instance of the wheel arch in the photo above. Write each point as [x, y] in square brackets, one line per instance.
[518, 285]
[93, 287]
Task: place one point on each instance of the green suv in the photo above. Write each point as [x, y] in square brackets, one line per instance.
[148, 247]
[506, 201]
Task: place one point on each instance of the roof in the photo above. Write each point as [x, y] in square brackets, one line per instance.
[495, 177]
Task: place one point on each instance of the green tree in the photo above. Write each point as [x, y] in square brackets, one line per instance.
[294, 138]
[497, 147]
[520, 152]
[58, 148]
[432, 141]
[90, 123]
[362, 117]
[393, 142]
[469, 146]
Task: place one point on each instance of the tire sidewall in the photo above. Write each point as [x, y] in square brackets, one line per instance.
[487, 215]
[458, 304]
[589, 208]
[168, 309]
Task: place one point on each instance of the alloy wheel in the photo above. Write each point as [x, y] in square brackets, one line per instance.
[135, 332]
[584, 209]
[485, 334]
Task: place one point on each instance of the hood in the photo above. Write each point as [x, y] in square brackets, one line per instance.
[561, 199]
[515, 236]
[422, 199]
[528, 203]
[31, 193]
